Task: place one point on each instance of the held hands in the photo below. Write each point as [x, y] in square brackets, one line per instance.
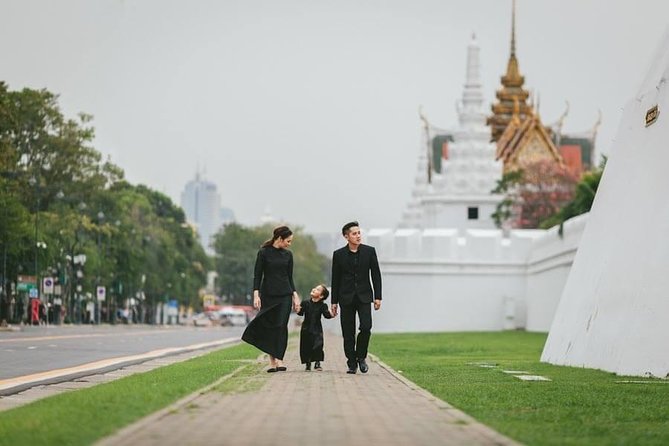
[334, 310]
[296, 302]
[377, 304]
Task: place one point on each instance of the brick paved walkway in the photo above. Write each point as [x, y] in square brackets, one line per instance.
[311, 408]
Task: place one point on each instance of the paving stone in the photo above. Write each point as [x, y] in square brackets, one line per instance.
[313, 408]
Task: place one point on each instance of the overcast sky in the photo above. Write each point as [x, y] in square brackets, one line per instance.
[306, 106]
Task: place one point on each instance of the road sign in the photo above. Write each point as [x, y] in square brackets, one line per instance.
[47, 285]
[33, 292]
[101, 291]
[25, 283]
[26, 279]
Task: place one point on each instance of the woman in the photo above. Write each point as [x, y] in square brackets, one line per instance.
[273, 289]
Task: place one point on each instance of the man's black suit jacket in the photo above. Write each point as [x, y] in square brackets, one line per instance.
[349, 279]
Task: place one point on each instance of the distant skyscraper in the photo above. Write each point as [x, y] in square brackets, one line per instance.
[201, 202]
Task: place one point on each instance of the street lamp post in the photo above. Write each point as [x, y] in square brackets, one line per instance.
[79, 261]
[33, 181]
[4, 295]
[98, 305]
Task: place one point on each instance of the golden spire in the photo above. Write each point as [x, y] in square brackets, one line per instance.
[513, 29]
[513, 77]
[512, 88]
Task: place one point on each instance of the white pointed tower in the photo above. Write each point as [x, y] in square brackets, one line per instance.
[459, 195]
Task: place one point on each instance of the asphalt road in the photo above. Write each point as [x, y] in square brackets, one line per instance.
[40, 349]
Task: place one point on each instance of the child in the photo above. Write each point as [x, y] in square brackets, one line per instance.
[311, 334]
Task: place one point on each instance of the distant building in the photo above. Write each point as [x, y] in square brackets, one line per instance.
[201, 202]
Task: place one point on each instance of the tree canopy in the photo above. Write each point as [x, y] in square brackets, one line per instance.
[58, 194]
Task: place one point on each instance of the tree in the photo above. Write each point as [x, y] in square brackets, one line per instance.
[533, 194]
[584, 196]
[54, 183]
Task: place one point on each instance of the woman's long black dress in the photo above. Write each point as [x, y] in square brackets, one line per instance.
[273, 277]
[311, 333]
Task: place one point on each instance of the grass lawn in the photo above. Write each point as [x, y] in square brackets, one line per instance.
[578, 407]
[82, 417]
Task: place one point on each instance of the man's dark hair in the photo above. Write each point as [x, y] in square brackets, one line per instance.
[347, 227]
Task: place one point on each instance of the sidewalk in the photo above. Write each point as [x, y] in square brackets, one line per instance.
[313, 408]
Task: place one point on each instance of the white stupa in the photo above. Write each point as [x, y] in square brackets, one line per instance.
[613, 311]
[458, 195]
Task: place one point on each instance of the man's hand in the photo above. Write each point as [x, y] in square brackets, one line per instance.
[256, 300]
[377, 304]
[334, 309]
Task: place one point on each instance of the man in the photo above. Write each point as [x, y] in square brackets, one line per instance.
[352, 267]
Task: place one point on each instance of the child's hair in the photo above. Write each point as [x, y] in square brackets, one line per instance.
[325, 292]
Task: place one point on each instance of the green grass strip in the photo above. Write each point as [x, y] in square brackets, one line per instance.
[81, 417]
[578, 407]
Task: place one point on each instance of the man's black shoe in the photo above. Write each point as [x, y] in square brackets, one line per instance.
[352, 368]
[308, 366]
[363, 365]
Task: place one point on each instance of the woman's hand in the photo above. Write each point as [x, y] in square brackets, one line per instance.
[296, 302]
[256, 300]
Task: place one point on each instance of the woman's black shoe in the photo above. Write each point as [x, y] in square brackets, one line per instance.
[308, 367]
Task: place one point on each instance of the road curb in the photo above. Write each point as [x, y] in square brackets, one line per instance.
[106, 369]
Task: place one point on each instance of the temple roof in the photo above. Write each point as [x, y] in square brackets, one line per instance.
[519, 133]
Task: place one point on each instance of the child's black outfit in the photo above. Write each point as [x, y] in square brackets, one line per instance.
[311, 334]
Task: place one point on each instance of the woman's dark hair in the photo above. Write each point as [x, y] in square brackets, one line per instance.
[280, 232]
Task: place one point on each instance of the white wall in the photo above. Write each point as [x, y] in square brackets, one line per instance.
[548, 266]
[477, 279]
[614, 309]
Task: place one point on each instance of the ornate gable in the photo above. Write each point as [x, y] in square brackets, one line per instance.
[524, 142]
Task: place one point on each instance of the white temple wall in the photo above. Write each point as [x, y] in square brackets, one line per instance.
[479, 299]
[548, 267]
[465, 280]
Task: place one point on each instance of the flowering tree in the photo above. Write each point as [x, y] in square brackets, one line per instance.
[533, 194]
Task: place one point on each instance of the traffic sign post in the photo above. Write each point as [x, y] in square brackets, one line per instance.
[47, 285]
